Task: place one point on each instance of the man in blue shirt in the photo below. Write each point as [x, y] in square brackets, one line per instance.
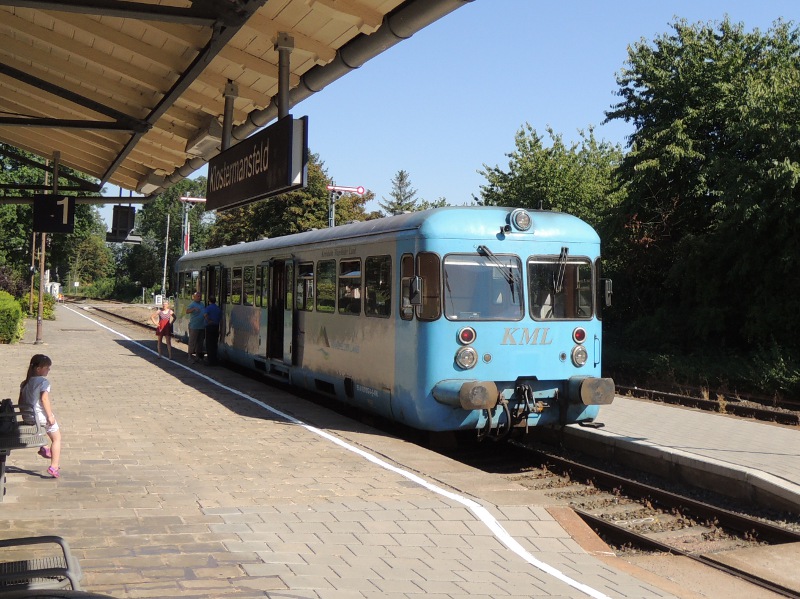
[197, 328]
[213, 316]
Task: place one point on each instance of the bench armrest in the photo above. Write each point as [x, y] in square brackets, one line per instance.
[72, 571]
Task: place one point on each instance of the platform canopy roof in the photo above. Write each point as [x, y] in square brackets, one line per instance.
[132, 92]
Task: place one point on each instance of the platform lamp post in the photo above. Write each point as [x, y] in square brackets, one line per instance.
[186, 226]
[336, 192]
[166, 251]
[33, 265]
[42, 245]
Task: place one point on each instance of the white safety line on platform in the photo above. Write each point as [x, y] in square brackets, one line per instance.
[478, 510]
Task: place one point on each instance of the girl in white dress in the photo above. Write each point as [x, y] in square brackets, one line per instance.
[35, 406]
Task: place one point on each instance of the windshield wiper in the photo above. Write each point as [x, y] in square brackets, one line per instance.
[561, 268]
[505, 270]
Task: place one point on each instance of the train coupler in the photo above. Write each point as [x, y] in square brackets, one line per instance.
[526, 404]
[500, 432]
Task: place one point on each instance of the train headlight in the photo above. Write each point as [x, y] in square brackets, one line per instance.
[520, 219]
[466, 358]
[579, 355]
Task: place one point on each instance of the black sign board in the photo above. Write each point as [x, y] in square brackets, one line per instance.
[273, 161]
[122, 223]
[53, 213]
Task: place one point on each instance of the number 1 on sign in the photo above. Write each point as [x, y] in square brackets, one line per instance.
[64, 202]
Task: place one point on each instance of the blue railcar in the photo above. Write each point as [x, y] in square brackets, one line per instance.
[456, 318]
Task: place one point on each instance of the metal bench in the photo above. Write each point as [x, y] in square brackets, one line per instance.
[36, 564]
[14, 434]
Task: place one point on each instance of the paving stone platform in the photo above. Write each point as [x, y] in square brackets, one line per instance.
[189, 481]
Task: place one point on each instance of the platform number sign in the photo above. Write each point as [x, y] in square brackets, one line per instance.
[53, 214]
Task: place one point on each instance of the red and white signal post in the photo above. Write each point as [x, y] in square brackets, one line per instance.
[336, 192]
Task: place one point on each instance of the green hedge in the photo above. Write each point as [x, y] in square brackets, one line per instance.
[11, 319]
[48, 307]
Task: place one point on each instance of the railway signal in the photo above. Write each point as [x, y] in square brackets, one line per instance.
[336, 192]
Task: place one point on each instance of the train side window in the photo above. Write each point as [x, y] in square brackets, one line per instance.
[196, 283]
[249, 286]
[263, 289]
[236, 287]
[406, 275]
[257, 298]
[228, 285]
[428, 269]
[326, 286]
[211, 283]
[378, 286]
[305, 286]
[181, 283]
[186, 284]
[288, 273]
[350, 287]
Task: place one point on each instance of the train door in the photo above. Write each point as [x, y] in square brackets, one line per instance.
[213, 283]
[215, 276]
[280, 319]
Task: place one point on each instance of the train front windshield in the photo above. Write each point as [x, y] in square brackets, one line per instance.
[560, 287]
[489, 287]
[482, 287]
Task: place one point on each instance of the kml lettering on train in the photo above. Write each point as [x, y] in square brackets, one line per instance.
[524, 336]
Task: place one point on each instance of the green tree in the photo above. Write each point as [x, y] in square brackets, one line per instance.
[15, 241]
[577, 179]
[426, 205]
[142, 265]
[402, 198]
[16, 220]
[90, 260]
[85, 246]
[704, 243]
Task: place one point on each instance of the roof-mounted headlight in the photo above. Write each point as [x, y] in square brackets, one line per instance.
[520, 219]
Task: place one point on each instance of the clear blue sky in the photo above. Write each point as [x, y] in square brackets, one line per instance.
[450, 99]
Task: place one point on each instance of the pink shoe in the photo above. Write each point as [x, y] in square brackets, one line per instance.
[45, 452]
[54, 472]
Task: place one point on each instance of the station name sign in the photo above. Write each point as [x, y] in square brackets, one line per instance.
[271, 162]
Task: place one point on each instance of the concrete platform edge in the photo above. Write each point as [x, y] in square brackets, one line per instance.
[731, 480]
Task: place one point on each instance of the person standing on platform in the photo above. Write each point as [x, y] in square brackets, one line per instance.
[35, 406]
[163, 320]
[213, 316]
[197, 328]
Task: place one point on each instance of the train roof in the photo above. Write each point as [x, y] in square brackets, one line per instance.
[446, 222]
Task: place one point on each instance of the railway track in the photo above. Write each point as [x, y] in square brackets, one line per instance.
[115, 311]
[639, 514]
